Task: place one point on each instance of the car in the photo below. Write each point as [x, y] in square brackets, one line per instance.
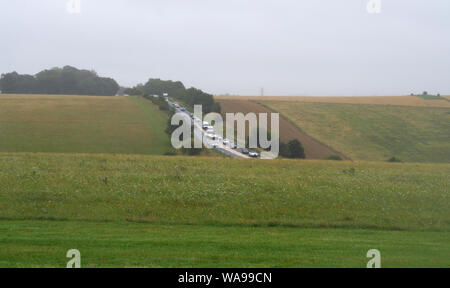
[232, 145]
[253, 154]
[210, 136]
[226, 142]
[183, 109]
[209, 130]
[244, 151]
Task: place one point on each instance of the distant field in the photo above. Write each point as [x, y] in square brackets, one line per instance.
[375, 100]
[135, 211]
[375, 132]
[288, 131]
[82, 124]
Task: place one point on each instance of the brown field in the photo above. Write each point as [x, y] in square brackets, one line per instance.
[376, 100]
[288, 131]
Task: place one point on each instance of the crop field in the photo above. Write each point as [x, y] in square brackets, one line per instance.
[81, 124]
[374, 100]
[159, 211]
[374, 132]
[313, 148]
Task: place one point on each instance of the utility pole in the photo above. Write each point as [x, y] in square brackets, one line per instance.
[262, 92]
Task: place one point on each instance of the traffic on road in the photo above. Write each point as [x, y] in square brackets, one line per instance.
[210, 138]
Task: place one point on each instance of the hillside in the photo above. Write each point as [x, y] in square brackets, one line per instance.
[375, 132]
[410, 128]
[288, 131]
[156, 211]
[82, 124]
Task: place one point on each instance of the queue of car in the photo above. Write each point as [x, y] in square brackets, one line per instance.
[211, 134]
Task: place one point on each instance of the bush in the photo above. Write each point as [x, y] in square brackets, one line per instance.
[293, 149]
[334, 157]
[296, 149]
[170, 153]
[394, 159]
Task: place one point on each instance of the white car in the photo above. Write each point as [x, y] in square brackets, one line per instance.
[253, 154]
[226, 142]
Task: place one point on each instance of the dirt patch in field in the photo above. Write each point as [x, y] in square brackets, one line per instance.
[288, 131]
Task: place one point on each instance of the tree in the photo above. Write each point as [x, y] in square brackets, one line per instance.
[66, 80]
[284, 150]
[293, 149]
[296, 149]
[177, 90]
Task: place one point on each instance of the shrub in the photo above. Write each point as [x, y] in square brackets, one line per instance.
[293, 149]
[394, 159]
[334, 157]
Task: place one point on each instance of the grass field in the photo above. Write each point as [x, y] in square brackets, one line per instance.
[114, 244]
[81, 124]
[126, 210]
[375, 132]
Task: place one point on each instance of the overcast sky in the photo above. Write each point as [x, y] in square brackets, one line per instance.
[289, 47]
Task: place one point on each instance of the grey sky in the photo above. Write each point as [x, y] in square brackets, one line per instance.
[310, 47]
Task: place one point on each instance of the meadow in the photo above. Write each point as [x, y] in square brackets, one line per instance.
[81, 124]
[374, 132]
[159, 211]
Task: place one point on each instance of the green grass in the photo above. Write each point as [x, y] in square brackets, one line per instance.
[374, 132]
[156, 211]
[45, 243]
[81, 124]
[191, 190]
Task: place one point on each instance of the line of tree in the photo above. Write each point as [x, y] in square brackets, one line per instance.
[176, 90]
[65, 81]
[158, 101]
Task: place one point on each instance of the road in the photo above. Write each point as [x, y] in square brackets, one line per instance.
[199, 133]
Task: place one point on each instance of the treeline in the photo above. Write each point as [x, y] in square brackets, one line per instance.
[66, 81]
[158, 101]
[176, 90]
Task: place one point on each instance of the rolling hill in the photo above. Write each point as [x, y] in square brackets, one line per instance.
[81, 124]
[410, 128]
